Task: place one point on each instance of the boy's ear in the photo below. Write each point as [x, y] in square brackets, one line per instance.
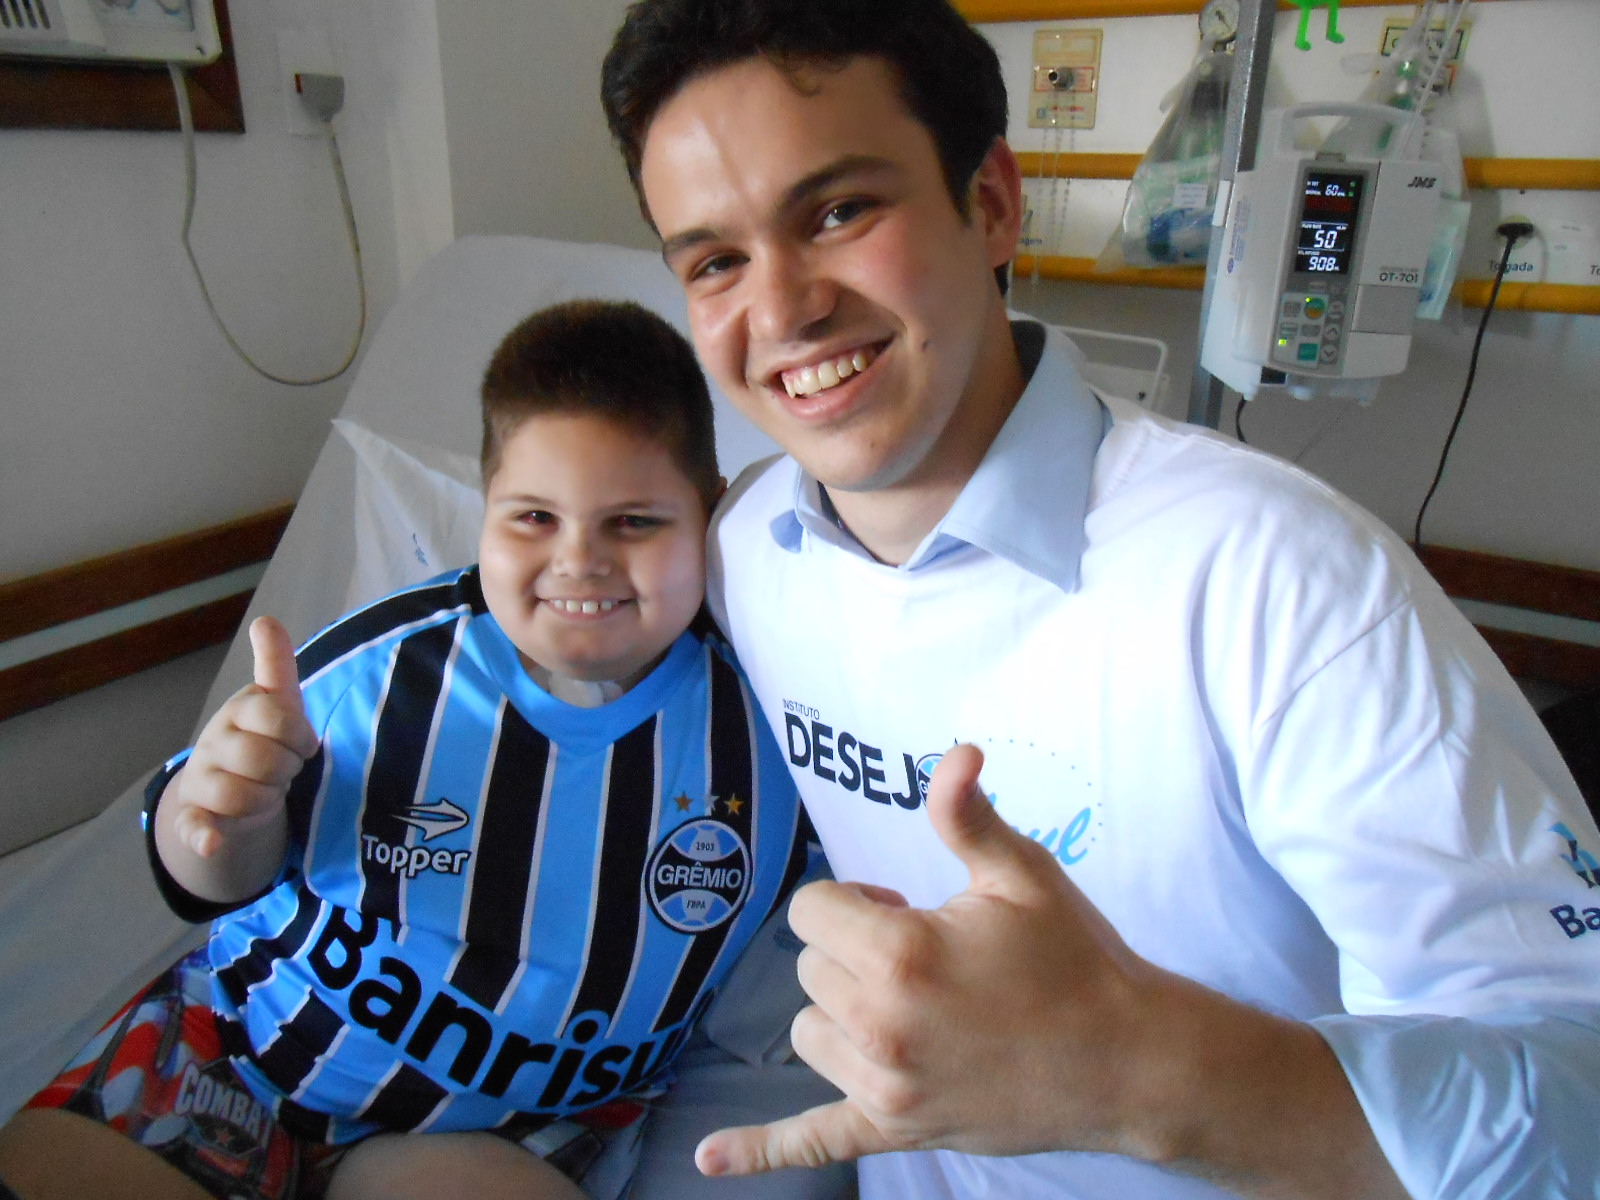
[722, 490]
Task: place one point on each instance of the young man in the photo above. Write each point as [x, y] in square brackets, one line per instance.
[1292, 902]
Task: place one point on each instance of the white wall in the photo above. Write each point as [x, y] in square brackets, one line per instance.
[124, 419]
[529, 151]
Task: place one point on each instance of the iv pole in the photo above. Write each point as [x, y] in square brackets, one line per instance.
[1252, 48]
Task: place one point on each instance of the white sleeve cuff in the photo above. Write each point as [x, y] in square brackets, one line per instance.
[1499, 1107]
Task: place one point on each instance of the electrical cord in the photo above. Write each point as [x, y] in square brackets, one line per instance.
[186, 124]
[1238, 421]
[1513, 231]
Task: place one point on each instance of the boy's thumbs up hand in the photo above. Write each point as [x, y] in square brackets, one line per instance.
[239, 772]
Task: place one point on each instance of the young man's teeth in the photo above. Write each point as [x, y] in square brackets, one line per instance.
[587, 607]
[808, 381]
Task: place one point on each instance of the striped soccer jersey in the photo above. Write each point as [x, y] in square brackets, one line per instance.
[497, 907]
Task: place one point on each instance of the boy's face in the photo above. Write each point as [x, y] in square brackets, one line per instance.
[821, 253]
[593, 547]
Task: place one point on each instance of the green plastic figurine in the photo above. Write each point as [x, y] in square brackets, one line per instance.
[1300, 40]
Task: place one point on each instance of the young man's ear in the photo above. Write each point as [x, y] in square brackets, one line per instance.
[995, 199]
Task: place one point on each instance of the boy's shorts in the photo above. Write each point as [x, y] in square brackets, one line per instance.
[158, 1073]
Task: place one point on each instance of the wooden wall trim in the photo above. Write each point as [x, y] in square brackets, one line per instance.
[1529, 657]
[56, 676]
[56, 597]
[1514, 582]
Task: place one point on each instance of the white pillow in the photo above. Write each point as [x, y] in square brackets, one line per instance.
[418, 512]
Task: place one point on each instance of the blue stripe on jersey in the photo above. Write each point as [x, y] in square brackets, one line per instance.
[504, 863]
[618, 910]
[731, 752]
[405, 1100]
[457, 592]
[290, 1058]
[302, 797]
[236, 976]
[412, 697]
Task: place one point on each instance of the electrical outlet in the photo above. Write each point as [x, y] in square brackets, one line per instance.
[302, 52]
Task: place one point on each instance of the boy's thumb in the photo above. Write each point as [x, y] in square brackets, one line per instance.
[275, 669]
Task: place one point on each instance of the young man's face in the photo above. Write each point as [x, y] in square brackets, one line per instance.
[593, 548]
[835, 293]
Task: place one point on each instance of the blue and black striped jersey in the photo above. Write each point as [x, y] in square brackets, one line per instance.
[497, 907]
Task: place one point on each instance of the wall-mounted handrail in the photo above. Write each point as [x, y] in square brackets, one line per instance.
[1001, 11]
[1519, 174]
[1515, 296]
[120, 591]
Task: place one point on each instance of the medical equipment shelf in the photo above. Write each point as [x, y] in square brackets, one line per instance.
[1511, 174]
[999, 11]
[1575, 298]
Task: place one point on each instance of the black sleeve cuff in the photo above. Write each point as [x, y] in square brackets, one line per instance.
[180, 899]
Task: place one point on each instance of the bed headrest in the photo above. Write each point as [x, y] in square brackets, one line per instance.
[418, 381]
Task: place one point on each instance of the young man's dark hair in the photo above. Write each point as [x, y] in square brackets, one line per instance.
[610, 359]
[949, 75]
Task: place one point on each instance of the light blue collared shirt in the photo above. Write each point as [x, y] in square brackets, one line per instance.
[1027, 500]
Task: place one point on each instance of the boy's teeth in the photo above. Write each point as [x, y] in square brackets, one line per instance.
[588, 607]
[808, 381]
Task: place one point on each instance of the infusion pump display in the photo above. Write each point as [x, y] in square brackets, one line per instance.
[1322, 257]
[1328, 216]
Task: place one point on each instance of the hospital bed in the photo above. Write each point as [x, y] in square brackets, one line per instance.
[392, 499]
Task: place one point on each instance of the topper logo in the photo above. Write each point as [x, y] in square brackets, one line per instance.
[1423, 181]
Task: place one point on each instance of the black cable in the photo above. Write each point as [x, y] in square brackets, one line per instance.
[1238, 422]
[1512, 231]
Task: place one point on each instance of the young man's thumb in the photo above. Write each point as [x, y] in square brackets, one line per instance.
[966, 820]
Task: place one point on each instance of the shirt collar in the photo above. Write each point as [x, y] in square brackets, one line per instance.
[1027, 500]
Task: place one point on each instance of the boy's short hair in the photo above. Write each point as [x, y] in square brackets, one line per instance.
[950, 76]
[611, 359]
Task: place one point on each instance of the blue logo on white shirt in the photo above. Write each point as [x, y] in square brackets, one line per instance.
[1579, 859]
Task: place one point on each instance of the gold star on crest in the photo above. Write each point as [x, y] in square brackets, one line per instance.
[683, 802]
[733, 805]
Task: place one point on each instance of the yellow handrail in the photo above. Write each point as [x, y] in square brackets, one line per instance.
[1473, 293]
[980, 11]
[1532, 174]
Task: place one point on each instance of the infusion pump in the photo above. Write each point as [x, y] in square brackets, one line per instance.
[1323, 259]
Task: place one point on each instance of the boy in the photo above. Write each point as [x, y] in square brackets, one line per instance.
[478, 861]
